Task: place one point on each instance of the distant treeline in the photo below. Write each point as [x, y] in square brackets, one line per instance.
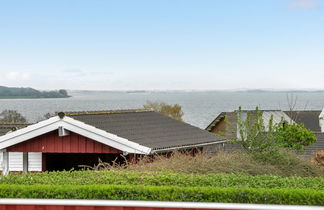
[13, 92]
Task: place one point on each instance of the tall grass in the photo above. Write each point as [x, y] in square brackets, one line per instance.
[288, 164]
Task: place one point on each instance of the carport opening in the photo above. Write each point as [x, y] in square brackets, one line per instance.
[68, 161]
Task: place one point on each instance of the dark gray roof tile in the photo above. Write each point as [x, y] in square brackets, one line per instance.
[309, 118]
[317, 146]
[147, 128]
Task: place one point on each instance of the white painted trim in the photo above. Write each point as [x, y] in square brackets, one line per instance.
[5, 162]
[321, 120]
[189, 146]
[154, 204]
[25, 162]
[76, 126]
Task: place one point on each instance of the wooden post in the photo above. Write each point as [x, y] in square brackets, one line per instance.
[5, 161]
[132, 158]
[44, 162]
[25, 162]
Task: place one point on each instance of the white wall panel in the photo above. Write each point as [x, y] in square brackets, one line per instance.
[1, 160]
[34, 161]
[15, 161]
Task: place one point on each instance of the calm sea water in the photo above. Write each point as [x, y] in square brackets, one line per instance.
[199, 108]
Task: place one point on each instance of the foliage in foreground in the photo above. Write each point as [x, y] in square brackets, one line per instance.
[162, 179]
[166, 193]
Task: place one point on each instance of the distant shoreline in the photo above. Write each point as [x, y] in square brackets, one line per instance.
[30, 93]
[29, 97]
[193, 91]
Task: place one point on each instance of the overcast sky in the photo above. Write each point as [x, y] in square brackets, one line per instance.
[162, 44]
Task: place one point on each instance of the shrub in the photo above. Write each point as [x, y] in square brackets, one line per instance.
[166, 193]
[162, 179]
[259, 136]
[294, 136]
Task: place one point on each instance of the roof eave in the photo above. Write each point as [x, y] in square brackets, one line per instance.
[76, 126]
[159, 150]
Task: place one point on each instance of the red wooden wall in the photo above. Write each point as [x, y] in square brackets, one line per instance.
[52, 143]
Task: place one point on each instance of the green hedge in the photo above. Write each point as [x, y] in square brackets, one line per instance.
[163, 179]
[166, 193]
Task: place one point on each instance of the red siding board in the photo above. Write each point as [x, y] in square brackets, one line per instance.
[52, 143]
[97, 147]
[82, 144]
[89, 146]
[74, 145]
[67, 143]
[61, 144]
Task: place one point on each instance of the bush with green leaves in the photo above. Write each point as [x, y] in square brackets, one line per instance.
[166, 193]
[153, 178]
[254, 136]
[294, 136]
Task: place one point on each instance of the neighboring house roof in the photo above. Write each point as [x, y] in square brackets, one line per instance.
[147, 128]
[316, 146]
[9, 127]
[310, 118]
[266, 115]
[132, 131]
[277, 117]
[220, 117]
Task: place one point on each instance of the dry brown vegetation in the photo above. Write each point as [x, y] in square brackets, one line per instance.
[289, 164]
[318, 158]
[225, 162]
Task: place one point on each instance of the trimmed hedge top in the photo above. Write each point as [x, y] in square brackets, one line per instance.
[166, 193]
[162, 179]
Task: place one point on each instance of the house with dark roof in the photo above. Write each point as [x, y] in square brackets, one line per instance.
[71, 139]
[225, 124]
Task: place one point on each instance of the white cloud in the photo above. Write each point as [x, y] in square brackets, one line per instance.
[303, 4]
[14, 76]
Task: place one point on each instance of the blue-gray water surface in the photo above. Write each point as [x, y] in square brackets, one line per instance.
[199, 108]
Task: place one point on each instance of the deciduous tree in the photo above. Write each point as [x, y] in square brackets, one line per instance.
[11, 116]
[174, 111]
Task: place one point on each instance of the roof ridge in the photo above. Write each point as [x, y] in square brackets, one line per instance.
[99, 112]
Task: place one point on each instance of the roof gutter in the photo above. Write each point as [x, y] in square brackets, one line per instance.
[187, 146]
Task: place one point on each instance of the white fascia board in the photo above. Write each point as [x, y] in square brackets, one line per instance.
[29, 132]
[103, 137]
[76, 126]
